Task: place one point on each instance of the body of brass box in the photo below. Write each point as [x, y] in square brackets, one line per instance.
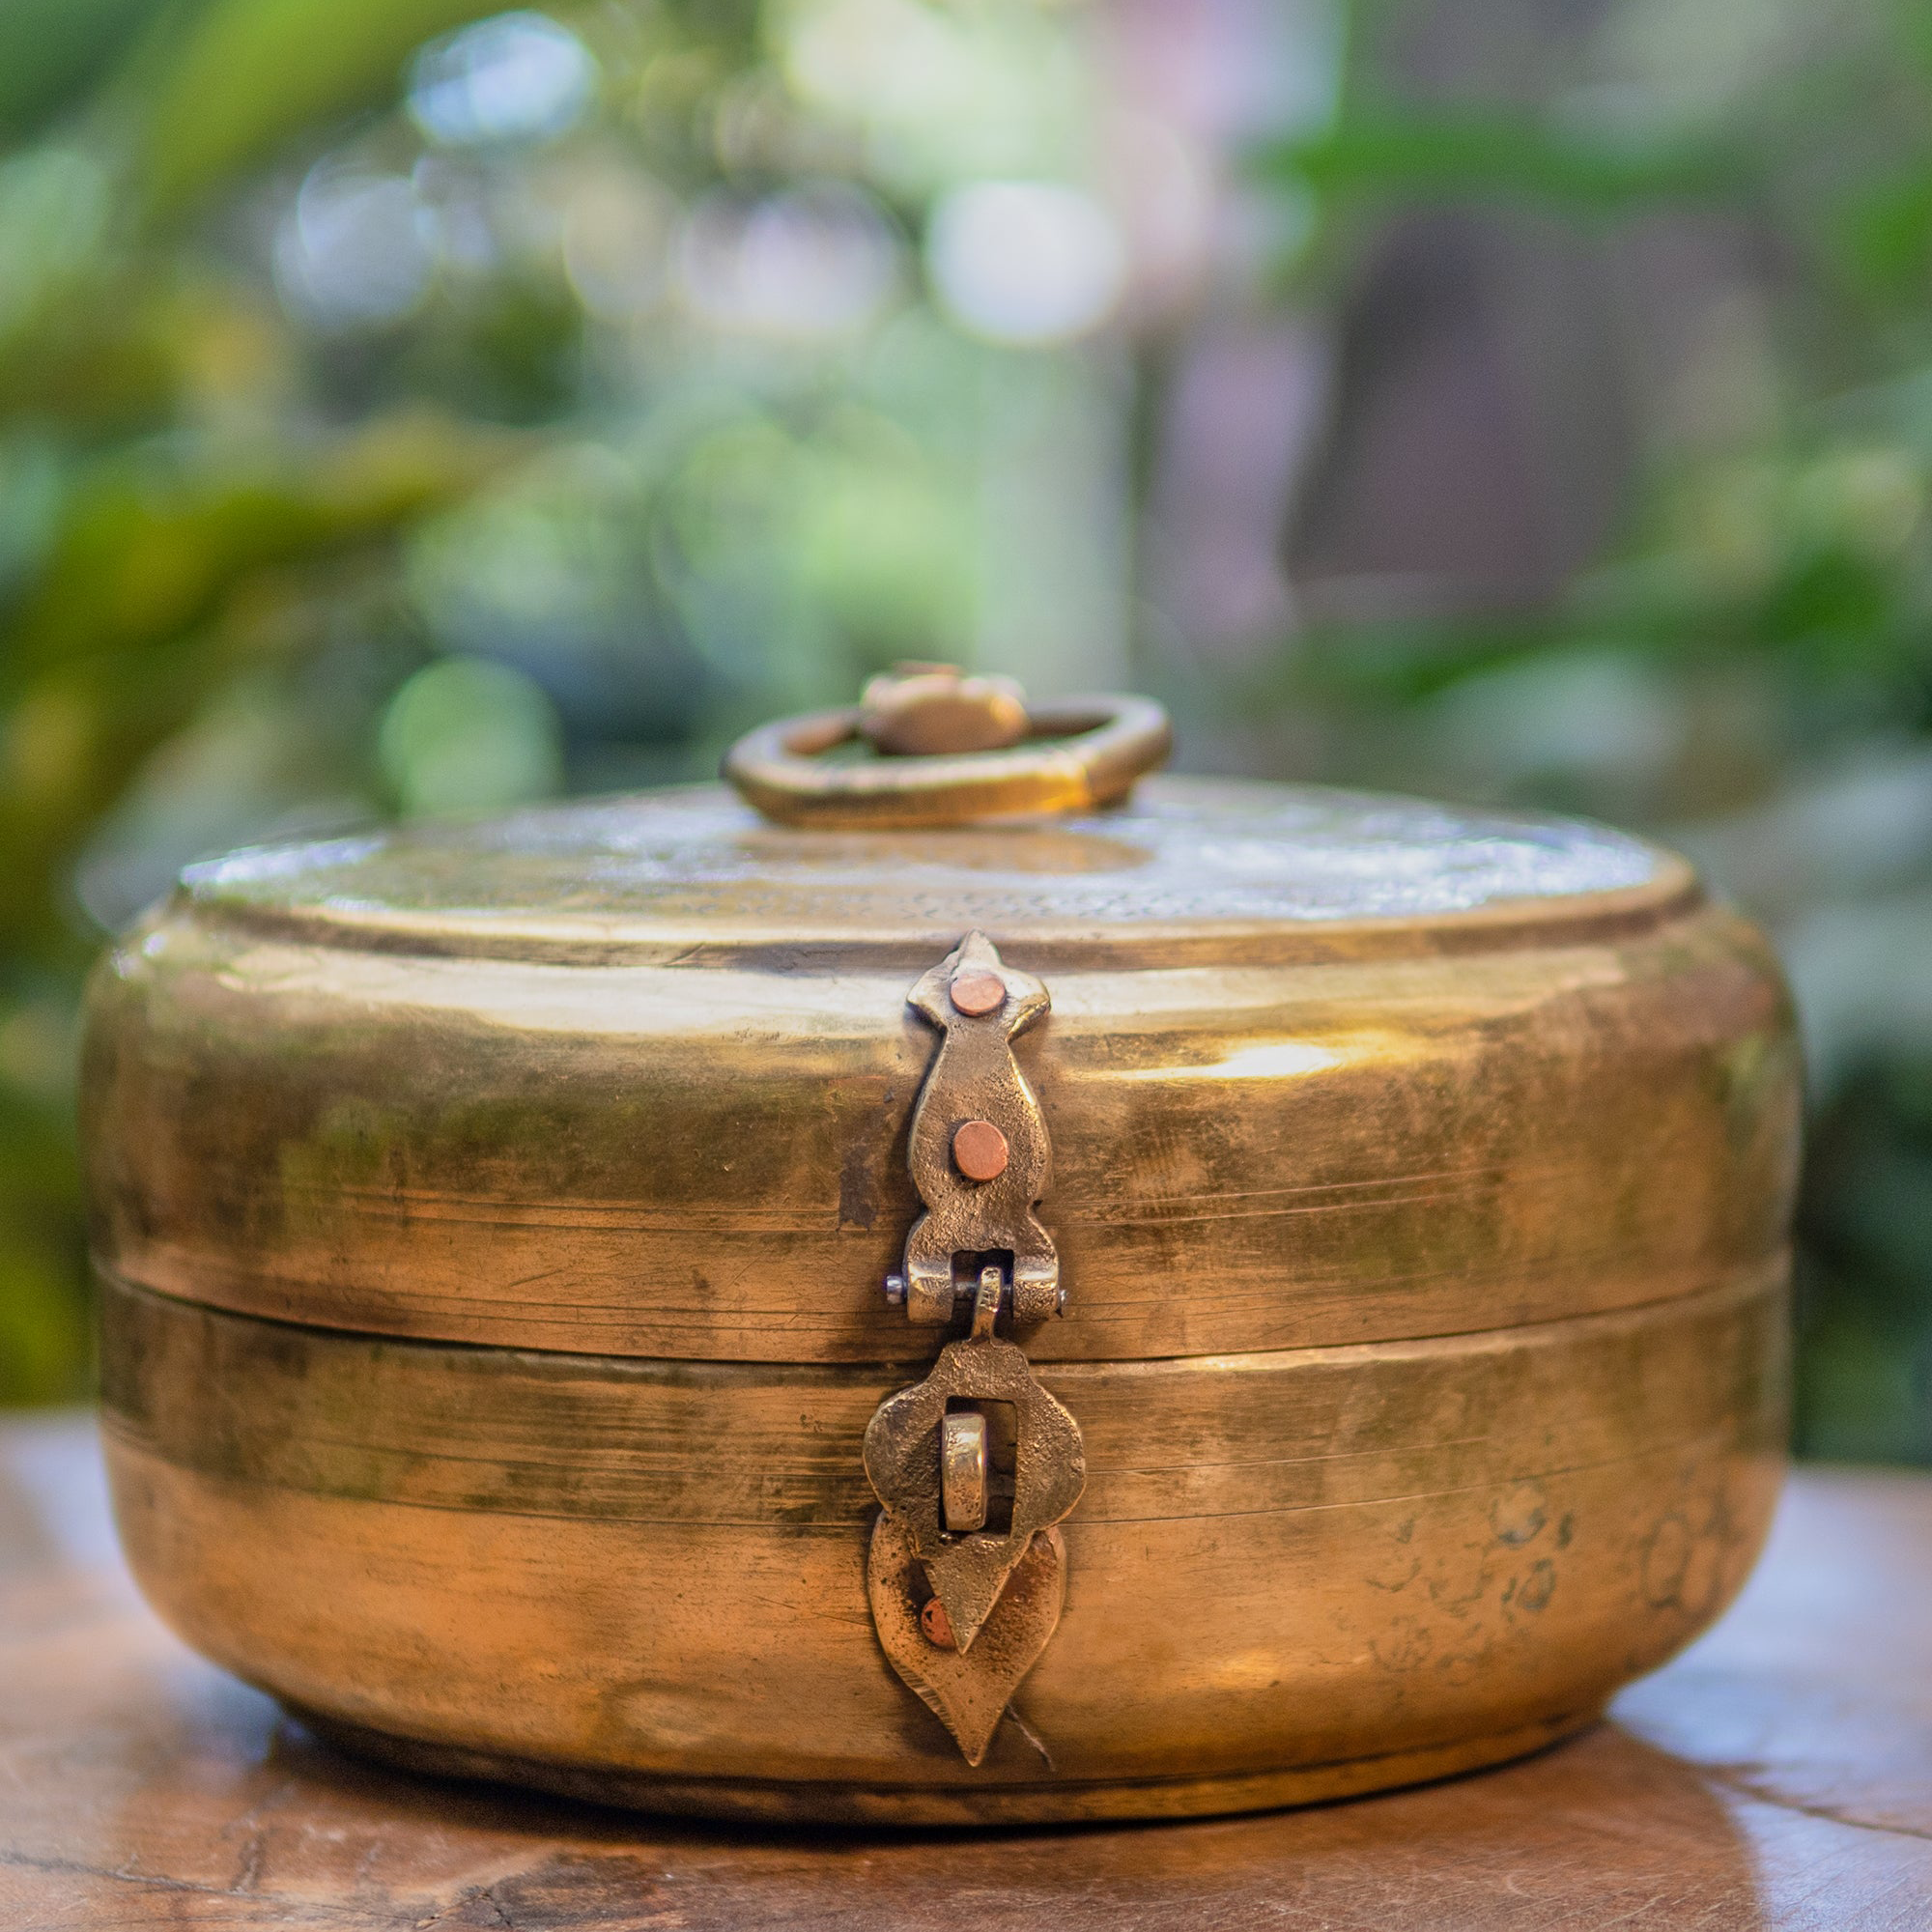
[495, 1225]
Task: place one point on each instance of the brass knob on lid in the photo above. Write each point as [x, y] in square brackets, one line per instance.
[953, 750]
[931, 710]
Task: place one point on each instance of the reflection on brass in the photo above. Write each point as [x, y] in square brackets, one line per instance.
[1011, 852]
[917, 710]
[492, 1216]
[967, 1687]
[1347, 1566]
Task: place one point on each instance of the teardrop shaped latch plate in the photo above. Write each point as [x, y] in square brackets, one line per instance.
[975, 1464]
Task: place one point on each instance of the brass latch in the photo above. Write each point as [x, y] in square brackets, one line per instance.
[977, 1464]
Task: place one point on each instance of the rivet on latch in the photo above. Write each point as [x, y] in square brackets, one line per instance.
[980, 1150]
[977, 993]
[937, 1625]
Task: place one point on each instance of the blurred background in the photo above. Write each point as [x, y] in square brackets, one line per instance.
[407, 408]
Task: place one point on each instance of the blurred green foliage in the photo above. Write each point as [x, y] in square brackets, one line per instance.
[175, 529]
[403, 414]
[1746, 667]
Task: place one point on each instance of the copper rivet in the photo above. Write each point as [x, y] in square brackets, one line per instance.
[937, 1625]
[980, 1149]
[978, 992]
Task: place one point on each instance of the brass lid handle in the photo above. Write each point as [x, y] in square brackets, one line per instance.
[954, 749]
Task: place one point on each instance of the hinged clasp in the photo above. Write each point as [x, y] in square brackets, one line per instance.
[979, 1149]
[975, 1464]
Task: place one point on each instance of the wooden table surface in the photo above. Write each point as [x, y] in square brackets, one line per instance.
[1778, 1775]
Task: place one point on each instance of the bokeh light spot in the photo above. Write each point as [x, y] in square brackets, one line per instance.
[812, 262]
[356, 251]
[517, 77]
[1026, 262]
[467, 734]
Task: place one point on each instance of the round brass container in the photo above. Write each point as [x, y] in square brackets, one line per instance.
[494, 1222]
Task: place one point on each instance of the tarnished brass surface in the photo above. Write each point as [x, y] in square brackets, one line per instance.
[1420, 1187]
[1283, 1563]
[1193, 872]
[1776, 1778]
[317, 1089]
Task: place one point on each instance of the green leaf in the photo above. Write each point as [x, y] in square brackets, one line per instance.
[1436, 154]
[51, 49]
[142, 558]
[1885, 232]
[247, 77]
[156, 585]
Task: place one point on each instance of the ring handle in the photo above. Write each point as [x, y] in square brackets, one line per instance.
[1099, 746]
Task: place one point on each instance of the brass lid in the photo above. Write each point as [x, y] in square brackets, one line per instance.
[1187, 870]
[974, 812]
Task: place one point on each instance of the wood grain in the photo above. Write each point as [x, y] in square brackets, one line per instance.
[1776, 1776]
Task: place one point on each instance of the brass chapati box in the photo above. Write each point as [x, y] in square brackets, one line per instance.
[947, 1286]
